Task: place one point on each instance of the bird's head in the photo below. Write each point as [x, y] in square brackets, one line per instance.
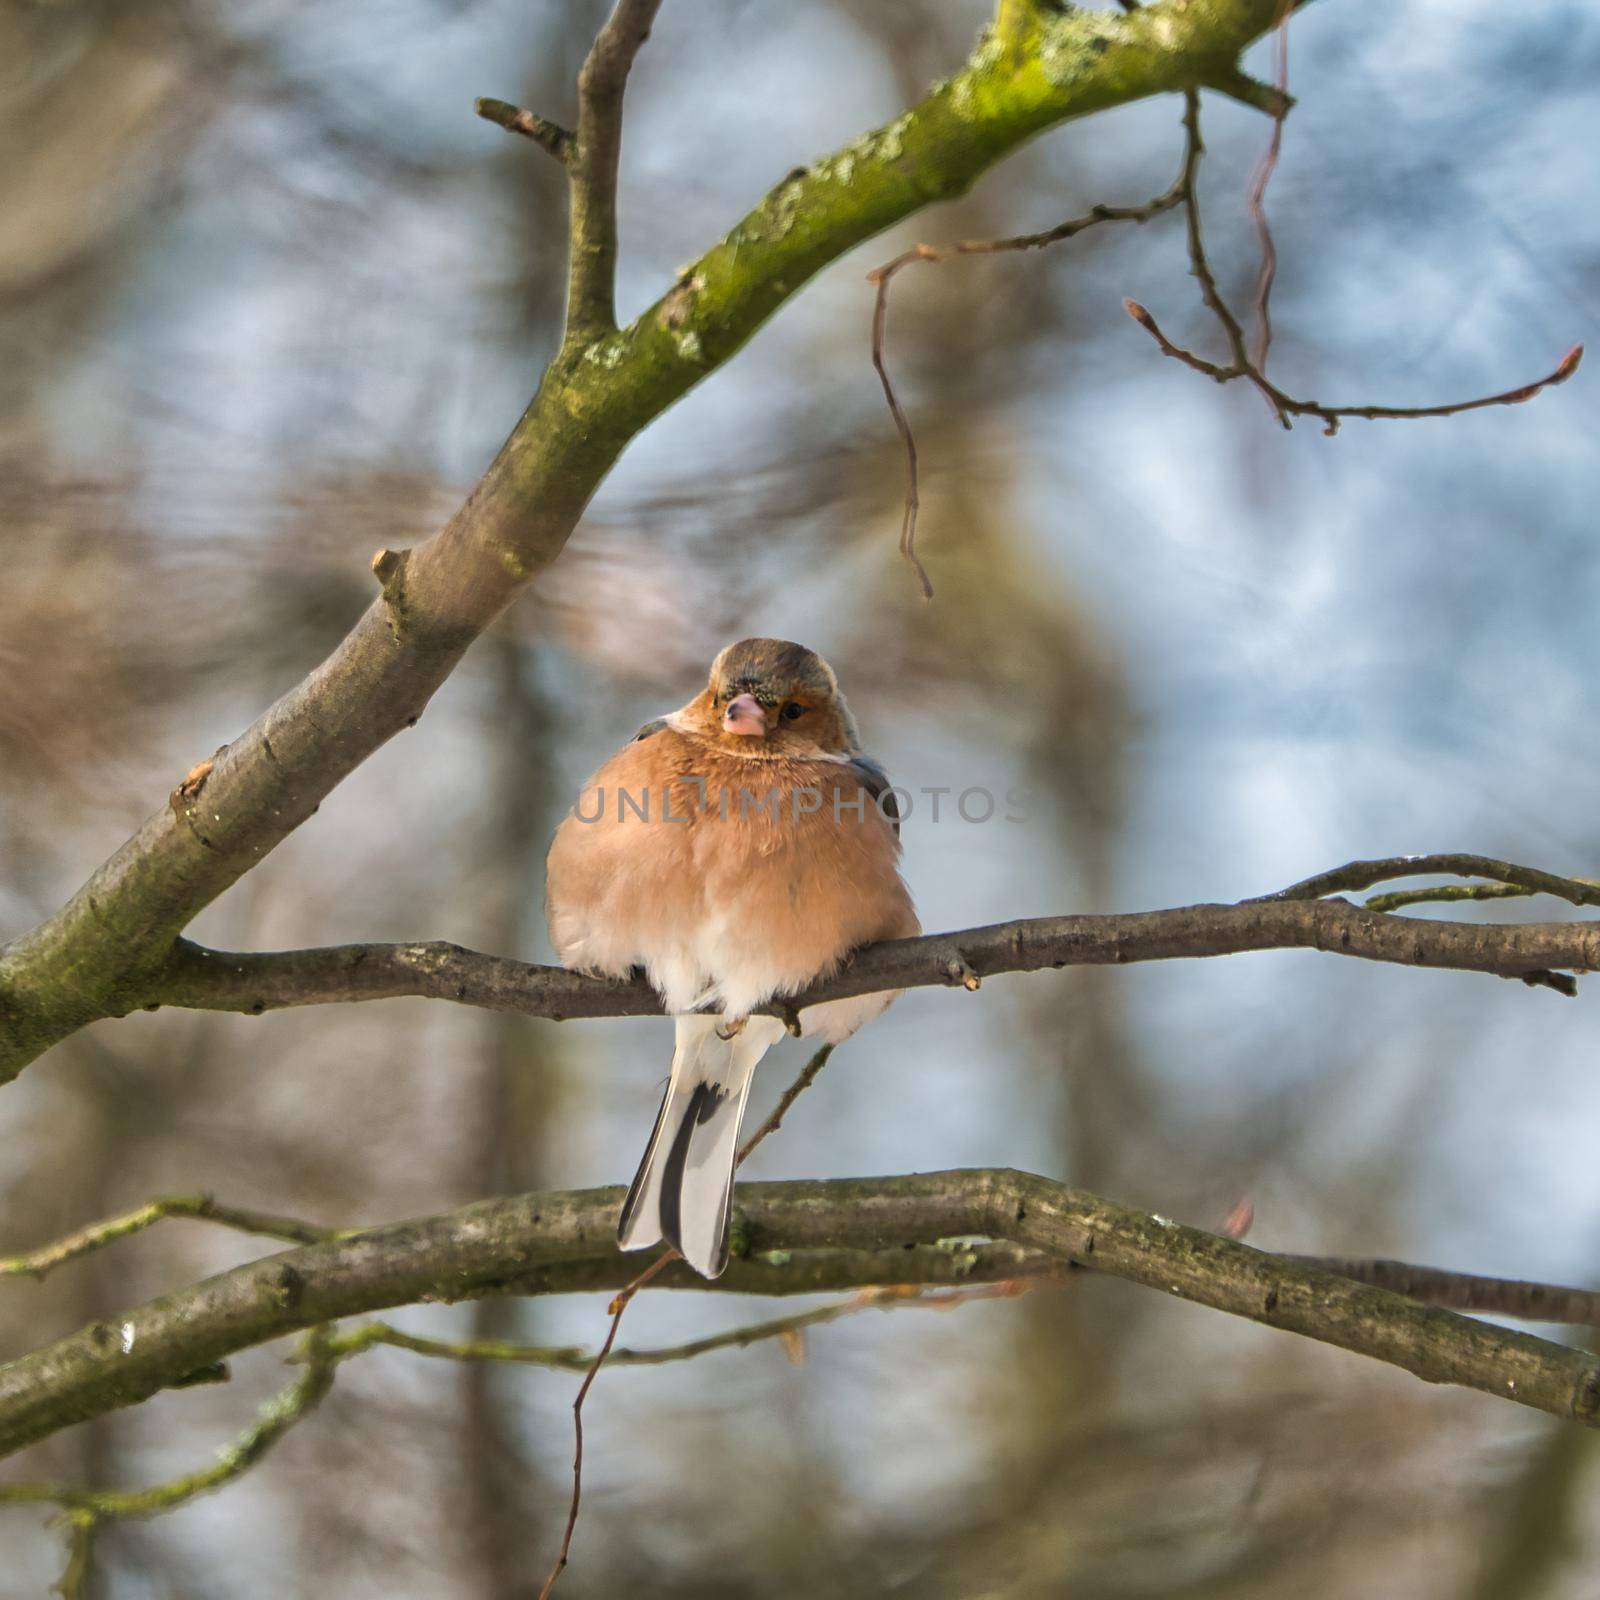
[770, 699]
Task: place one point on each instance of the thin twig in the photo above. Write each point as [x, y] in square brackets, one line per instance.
[1258, 190]
[558, 1357]
[1512, 882]
[1199, 262]
[201, 1207]
[884, 276]
[1287, 407]
[908, 516]
[1395, 899]
[1284, 406]
[807, 1077]
[549, 136]
[1354, 876]
[77, 1576]
[620, 1304]
[573, 1358]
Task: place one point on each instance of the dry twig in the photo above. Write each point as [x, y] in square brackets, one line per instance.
[1275, 101]
[885, 275]
[1284, 406]
[1258, 189]
[620, 1304]
[808, 1074]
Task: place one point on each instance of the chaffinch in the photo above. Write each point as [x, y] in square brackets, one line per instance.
[736, 850]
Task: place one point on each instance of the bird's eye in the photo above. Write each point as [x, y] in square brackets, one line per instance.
[792, 710]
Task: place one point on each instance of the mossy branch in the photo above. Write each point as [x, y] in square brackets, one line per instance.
[201, 1207]
[85, 1511]
[943, 1227]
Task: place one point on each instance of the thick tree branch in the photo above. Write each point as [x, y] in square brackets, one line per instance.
[96, 956]
[545, 1242]
[1462, 1291]
[215, 980]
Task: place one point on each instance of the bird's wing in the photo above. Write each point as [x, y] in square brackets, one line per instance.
[655, 725]
[876, 782]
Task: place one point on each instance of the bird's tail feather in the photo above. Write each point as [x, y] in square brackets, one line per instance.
[683, 1191]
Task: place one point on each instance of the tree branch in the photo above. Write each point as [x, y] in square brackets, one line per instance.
[1470, 1291]
[1268, 98]
[592, 169]
[201, 1207]
[544, 1243]
[86, 1510]
[574, 1358]
[1268, 272]
[319, 1357]
[549, 136]
[883, 277]
[808, 1076]
[1284, 406]
[215, 980]
[94, 958]
[1357, 875]
[321, 1351]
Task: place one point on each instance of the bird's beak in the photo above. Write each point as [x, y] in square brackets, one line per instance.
[745, 716]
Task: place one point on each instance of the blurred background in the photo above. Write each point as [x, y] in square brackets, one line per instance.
[270, 296]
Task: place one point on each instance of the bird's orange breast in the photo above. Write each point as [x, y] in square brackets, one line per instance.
[761, 874]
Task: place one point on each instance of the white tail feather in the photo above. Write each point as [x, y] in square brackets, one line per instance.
[684, 1188]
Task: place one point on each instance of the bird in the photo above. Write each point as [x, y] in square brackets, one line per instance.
[735, 850]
